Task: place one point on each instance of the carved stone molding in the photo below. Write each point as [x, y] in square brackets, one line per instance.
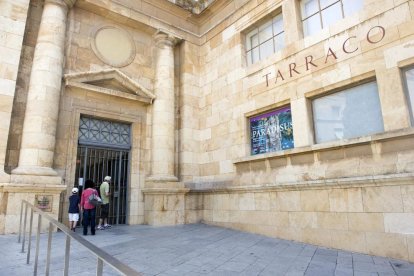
[165, 39]
[111, 82]
[114, 46]
[65, 3]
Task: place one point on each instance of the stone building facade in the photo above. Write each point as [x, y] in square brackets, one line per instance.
[292, 119]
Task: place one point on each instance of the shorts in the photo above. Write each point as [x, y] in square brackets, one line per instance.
[73, 216]
[104, 211]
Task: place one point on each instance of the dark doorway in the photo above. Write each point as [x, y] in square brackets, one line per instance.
[104, 149]
[96, 163]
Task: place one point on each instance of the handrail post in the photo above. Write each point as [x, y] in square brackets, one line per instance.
[67, 251]
[39, 224]
[20, 224]
[102, 256]
[99, 267]
[30, 236]
[49, 248]
[24, 227]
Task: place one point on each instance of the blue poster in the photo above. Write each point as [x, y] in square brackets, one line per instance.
[271, 131]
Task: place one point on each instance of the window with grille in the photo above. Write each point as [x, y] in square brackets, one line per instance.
[320, 14]
[96, 132]
[265, 39]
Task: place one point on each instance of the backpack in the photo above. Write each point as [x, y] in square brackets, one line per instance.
[94, 199]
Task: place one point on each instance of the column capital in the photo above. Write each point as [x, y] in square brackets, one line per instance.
[163, 38]
[66, 3]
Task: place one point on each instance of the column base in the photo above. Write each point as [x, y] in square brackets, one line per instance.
[45, 197]
[29, 170]
[164, 203]
[162, 178]
[38, 180]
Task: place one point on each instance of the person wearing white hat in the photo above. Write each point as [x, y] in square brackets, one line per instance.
[74, 204]
[104, 191]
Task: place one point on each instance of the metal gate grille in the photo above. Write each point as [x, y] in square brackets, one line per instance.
[102, 133]
[104, 150]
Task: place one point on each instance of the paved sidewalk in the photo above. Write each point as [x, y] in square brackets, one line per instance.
[198, 249]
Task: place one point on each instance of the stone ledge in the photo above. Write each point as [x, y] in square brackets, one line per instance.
[24, 188]
[159, 191]
[39, 180]
[346, 143]
[164, 187]
[349, 182]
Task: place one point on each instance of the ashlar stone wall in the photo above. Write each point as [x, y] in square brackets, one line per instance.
[353, 194]
[83, 56]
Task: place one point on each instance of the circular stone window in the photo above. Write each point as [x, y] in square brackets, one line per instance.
[114, 46]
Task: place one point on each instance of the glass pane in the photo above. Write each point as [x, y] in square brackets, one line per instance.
[351, 113]
[331, 15]
[254, 40]
[279, 42]
[277, 24]
[271, 131]
[352, 6]
[409, 76]
[312, 25]
[265, 31]
[309, 7]
[266, 49]
[249, 58]
[251, 38]
[325, 3]
[255, 55]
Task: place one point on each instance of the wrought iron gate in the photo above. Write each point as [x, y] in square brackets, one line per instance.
[104, 150]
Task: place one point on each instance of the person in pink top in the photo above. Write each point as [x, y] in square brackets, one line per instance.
[88, 210]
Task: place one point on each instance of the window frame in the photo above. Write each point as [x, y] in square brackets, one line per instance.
[319, 14]
[407, 92]
[339, 90]
[275, 37]
[276, 111]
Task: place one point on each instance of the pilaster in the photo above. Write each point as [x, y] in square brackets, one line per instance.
[163, 112]
[164, 203]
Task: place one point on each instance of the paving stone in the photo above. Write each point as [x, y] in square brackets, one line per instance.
[344, 272]
[199, 250]
[325, 258]
[356, 257]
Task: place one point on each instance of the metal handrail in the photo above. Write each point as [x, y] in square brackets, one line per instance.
[102, 256]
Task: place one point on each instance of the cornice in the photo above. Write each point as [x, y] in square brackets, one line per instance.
[149, 15]
[334, 183]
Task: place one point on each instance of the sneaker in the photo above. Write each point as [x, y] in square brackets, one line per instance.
[107, 226]
[100, 228]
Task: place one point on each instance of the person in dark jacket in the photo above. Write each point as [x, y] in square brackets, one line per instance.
[74, 204]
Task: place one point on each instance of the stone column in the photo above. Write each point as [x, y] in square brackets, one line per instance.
[163, 115]
[164, 195]
[39, 129]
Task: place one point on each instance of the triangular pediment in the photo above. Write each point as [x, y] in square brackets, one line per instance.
[111, 82]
